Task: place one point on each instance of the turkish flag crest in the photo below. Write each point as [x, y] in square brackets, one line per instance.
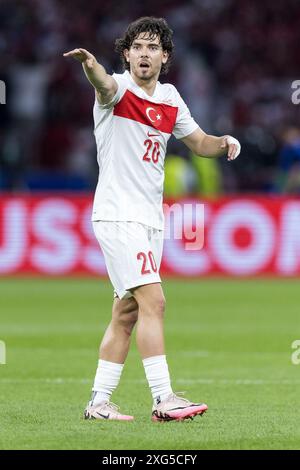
[154, 115]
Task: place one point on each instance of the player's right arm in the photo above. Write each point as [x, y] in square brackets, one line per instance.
[104, 84]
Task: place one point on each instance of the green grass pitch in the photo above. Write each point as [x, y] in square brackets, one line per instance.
[228, 344]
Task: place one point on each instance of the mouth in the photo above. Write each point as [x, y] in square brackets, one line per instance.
[144, 65]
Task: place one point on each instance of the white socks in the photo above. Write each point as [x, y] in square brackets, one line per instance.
[106, 381]
[108, 375]
[157, 373]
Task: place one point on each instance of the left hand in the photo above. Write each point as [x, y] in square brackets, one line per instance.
[233, 146]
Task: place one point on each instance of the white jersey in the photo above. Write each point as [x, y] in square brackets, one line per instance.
[131, 134]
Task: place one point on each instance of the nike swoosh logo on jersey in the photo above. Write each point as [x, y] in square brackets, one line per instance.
[152, 135]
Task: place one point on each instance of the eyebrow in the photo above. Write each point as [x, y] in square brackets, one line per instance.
[150, 44]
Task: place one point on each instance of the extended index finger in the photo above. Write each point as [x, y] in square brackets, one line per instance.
[72, 53]
[85, 52]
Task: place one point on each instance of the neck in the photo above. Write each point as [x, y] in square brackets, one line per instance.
[147, 85]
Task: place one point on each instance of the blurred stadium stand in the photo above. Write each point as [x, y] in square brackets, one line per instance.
[234, 65]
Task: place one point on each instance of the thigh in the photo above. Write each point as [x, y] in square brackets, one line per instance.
[149, 296]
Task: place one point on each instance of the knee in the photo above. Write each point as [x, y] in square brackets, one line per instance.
[126, 320]
[157, 306]
[161, 306]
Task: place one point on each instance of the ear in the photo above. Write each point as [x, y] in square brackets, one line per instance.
[165, 57]
[126, 55]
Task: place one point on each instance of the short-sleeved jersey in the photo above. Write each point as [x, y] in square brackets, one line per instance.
[131, 134]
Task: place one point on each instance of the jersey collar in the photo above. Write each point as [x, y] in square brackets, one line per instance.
[141, 91]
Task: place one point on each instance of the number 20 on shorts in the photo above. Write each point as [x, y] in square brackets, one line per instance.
[147, 262]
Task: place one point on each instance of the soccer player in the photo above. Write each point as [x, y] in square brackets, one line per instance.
[134, 116]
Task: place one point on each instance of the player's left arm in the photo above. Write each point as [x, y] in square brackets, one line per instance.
[209, 146]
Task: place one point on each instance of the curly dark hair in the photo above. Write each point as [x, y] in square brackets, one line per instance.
[155, 27]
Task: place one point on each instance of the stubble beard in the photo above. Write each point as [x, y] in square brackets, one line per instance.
[145, 76]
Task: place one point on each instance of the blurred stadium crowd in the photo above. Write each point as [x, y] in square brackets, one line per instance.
[235, 61]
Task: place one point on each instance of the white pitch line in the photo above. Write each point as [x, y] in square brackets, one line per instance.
[205, 381]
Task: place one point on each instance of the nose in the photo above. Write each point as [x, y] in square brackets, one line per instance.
[144, 52]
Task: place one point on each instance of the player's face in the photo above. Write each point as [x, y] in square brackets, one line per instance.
[146, 57]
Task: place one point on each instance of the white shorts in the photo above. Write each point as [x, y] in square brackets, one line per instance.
[132, 253]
